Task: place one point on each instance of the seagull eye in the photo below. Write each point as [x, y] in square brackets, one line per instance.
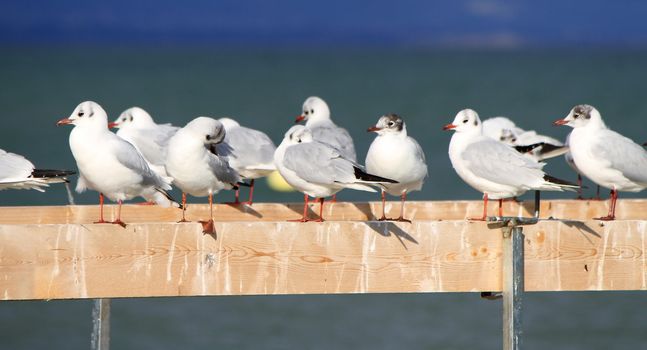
[80, 114]
[576, 116]
[465, 121]
[391, 123]
[208, 137]
[306, 113]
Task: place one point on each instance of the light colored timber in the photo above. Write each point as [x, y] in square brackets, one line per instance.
[627, 209]
[54, 260]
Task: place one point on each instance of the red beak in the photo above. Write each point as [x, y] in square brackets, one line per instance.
[560, 122]
[449, 127]
[373, 128]
[112, 125]
[299, 118]
[64, 121]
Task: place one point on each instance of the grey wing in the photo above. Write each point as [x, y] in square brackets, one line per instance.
[337, 137]
[220, 167]
[129, 156]
[249, 147]
[14, 166]
[152, 143]
[499, 163]
[319, 163]
[624, 155]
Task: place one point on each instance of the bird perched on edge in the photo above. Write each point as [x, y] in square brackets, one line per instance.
[319, 170]
[109, 164]
[396, 156]
[603, 155]
[196, 167]
[529, 142]
[250, 152]
[18, 173]
[317, 117]
[136, 126]
[489, 166]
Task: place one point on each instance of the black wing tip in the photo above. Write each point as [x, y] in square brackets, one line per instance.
[528, 148]
[49, 173]
[557, 181]
[168, 196]
[362, 175]
[242, 183]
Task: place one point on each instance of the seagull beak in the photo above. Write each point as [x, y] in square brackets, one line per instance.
[449, 127]
[560, 122]
[64, 121]
[299, 118]
[373, 128]
[112, 125]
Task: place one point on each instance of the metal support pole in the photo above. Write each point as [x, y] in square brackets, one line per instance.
[100, 325]
[513, 276]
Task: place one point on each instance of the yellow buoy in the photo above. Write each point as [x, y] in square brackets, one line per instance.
[277, 183]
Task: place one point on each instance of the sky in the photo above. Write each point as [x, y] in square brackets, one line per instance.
[302, 23]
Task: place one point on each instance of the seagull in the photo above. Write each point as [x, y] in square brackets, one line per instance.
[396, 156]
[319, 170]
[496, 170]
[317, 117]
[109, 164]
[197, 169]
[529, 142]
[137, 127]
[604, 156]
[250, 152]
[18, 173]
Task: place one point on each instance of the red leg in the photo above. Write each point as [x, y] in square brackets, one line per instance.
[183, 207]
[321, 205]
[612, 207]
[500, 207]
[118, 221]
[403, 198]
[207, 226]
[305, 210]
[484, 217]
[383, 218]
[101, 221]
[251, 192]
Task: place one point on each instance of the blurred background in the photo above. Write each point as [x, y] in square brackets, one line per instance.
[257, 61]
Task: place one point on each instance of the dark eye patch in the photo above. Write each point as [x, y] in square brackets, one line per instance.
[80, 114]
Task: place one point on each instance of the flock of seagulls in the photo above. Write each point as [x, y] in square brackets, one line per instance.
[207, 155]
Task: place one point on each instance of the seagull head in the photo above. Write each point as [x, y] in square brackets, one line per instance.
[297, 134]
[467, 121]
[314, 109]
[207, 130]
[87, 113]
[389, 124]
[580, 116]
[134, 117]
[228, 123]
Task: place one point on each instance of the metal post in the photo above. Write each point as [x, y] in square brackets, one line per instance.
[513, 276]
[100, 325]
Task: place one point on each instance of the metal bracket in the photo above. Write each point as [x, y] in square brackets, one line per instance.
[100, 339]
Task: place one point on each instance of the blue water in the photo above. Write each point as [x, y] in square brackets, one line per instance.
[265, 89]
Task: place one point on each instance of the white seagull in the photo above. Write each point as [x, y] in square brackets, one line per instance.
[604, 156]
[317, 117]
[109, 164]
[250, 152]
[196, 167]
[18, 173]
[396, 156]
[529, 142]
[489, 166]
[138, 127]
[319, 170]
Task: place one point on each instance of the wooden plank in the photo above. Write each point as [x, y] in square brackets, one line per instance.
[628, 209]
[161, 259]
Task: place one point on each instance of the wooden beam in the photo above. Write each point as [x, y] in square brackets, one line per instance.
[628, 209]
[80, 260]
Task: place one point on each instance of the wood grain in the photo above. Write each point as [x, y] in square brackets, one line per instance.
[58, 261]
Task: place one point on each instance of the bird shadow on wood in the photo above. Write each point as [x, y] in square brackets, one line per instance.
[246, 208]
[365, 208]
[386, 228]
[298, 208]
[582, 228]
